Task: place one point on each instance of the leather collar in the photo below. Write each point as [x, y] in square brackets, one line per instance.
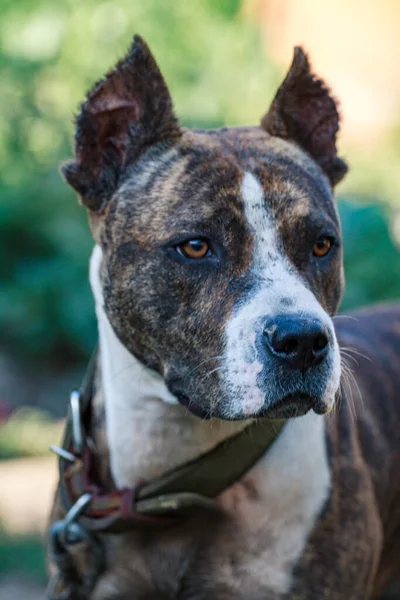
[192, 485]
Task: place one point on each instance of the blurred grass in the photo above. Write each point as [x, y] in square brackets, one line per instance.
[28, 432]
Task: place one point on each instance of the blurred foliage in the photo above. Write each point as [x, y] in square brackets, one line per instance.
[22, 555]
[212, 58]
[28, 432]
[371, 256]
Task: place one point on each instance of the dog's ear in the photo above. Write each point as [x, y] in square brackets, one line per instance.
[125, 113]
[304, 111]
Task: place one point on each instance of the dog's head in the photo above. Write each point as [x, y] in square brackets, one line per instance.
[222, 259]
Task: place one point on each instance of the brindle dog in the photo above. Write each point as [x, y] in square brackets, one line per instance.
[216, 275]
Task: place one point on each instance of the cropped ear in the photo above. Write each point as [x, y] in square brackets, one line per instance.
[304, 111]
[125, 113]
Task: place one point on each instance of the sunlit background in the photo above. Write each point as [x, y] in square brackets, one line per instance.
[223, 60]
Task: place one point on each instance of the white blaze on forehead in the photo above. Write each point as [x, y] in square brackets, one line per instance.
[278, 289]
[255, 210]
[268, 260]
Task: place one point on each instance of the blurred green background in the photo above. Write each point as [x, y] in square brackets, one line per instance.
[221, 69]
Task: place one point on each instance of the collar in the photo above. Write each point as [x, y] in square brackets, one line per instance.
[194, 484]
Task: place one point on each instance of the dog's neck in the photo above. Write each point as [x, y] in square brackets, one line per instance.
[148, 431]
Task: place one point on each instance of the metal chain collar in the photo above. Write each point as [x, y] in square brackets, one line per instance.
[68, 583]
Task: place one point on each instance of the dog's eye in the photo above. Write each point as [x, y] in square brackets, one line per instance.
[197, 248]
[322, 246]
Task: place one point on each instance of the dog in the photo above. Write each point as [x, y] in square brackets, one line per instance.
[217, 272]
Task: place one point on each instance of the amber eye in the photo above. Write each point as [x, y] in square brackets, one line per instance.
[195, 249]
[322, 246]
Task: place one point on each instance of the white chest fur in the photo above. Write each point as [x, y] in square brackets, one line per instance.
[292, 484]
[148, 433]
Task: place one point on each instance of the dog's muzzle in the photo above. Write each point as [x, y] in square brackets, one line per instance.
[298, 346]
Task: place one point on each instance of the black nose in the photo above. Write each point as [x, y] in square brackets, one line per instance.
[300, 341]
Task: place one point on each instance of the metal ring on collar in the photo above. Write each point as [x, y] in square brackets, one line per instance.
[67, 531]
[77, 437]
[77, 509]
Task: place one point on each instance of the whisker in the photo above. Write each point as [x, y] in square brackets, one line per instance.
[351, 375]
[196, 367]
[343, 353]
[209, 373]
[348, 379]
[357, 352]
[345, 317]
[348, 395]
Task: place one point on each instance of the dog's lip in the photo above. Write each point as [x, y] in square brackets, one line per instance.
[290, 406]
[193, 407]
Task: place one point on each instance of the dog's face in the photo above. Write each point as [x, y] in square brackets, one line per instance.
[222, 258]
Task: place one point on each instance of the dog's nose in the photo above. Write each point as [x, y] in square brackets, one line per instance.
[302, 342]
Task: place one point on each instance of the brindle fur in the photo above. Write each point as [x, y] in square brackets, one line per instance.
[147, 183]
[359, 533]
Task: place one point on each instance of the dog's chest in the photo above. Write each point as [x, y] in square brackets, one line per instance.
[247, 551]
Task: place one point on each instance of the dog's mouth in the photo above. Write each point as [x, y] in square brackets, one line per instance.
[294, 405]
[289, 407]
[193, 407]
